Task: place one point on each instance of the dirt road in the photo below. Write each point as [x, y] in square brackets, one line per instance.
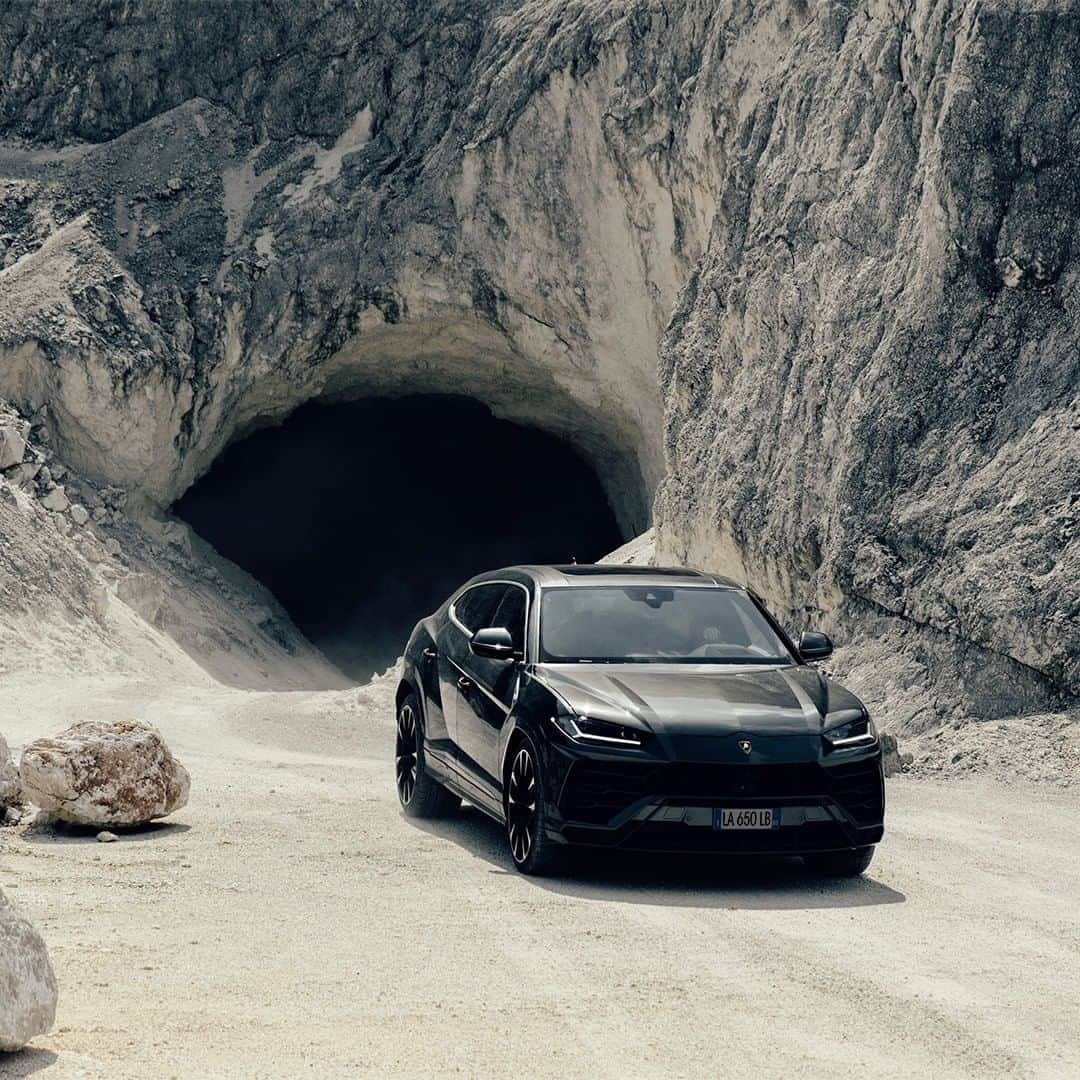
[291, 922]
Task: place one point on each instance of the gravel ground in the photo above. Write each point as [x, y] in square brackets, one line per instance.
[291, 922]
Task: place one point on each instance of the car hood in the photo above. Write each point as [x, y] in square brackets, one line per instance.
[702, 699]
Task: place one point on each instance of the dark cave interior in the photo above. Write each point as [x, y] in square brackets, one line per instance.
[361, 517]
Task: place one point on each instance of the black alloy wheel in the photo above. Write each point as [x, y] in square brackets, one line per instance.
[405, 753]
[421, 795]
[531, 849]
[521, 805]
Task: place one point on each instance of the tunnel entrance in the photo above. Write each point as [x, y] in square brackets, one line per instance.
[361, 517]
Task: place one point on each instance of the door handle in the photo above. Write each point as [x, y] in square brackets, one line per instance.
[464, 683]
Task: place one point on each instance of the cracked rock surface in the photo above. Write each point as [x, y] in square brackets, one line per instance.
[872, 374]
[101, 773]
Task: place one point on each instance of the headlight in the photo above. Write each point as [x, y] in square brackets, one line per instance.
[850, 728]
[602, 732]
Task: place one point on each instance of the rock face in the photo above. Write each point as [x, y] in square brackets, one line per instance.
[119, 773]
[10, 785]
[863, 216]
[463, 200]
[872, 375]
[27, 983]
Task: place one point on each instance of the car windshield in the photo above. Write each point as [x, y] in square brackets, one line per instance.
[656, 624]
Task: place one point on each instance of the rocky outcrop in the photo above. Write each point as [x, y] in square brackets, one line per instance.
[863, 217]
[27, 983]
[466, 199]
[872, 381]
[10, 785]
[119, 773]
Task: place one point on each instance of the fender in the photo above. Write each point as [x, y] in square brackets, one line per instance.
[528, 701]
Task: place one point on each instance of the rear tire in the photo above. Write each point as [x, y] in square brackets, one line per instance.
[840, 863]
[420, 795]
[532, 851]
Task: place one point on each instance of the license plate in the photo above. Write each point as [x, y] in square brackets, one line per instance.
[746, 819]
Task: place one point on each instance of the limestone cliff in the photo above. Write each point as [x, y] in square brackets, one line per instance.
[863, 216]
[872, 375]
[398, 198]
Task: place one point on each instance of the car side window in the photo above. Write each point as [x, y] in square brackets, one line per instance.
[511, 614]
[475, 608]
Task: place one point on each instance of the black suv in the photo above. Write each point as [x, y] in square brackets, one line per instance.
[634, 707]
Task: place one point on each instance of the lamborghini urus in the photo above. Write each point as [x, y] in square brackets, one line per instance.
[636, 708]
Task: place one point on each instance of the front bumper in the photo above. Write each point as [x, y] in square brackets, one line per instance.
[835, 802]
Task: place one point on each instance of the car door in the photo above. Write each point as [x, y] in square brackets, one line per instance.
[488, 694]
[466, 615]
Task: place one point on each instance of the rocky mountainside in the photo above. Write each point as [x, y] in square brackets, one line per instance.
[215, 212]
[872, 375]
[847, 231]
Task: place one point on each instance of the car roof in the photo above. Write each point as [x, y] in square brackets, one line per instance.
[583, 574]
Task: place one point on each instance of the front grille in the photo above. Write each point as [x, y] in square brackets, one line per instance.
[596, 792]
[710, 781]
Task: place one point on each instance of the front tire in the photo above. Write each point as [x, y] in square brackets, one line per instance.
[420, 795]
[526, 813]
[845, 864]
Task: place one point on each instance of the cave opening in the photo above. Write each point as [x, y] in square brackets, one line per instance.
[362, 516]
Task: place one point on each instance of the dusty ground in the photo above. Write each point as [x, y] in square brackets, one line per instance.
[291, 922]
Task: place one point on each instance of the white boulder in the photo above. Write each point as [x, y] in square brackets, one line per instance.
[56, 499]
[893, 762]
[12, 442]
[10, 787]
[27, 983]
[24, 473]
[105, 773]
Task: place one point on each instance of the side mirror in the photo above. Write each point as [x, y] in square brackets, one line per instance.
[814, 646]
[493, 643]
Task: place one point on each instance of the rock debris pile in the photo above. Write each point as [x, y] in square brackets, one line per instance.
[88, 584]
[28, 462]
